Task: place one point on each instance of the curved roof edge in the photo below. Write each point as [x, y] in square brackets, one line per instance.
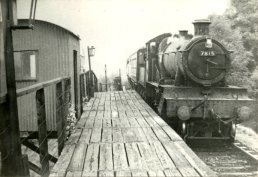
[44, 21]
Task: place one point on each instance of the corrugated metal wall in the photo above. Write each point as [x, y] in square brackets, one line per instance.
[54, 60]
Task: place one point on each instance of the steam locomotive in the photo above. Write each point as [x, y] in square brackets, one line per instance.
[183, 78]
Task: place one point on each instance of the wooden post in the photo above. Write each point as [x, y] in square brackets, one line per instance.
[85, 85]
[59, 115]
[67, 99]
[42, 131]
[25, 163]
[106, 77]
[12, 161]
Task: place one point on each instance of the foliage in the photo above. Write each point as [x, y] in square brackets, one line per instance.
[71, 121]
[244, 16]
[237, 30]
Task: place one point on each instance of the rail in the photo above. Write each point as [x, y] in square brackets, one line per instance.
[63, 97]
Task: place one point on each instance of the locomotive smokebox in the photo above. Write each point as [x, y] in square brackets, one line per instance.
[201, 27]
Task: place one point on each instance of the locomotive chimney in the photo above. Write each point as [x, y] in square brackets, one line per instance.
[183, 33]
[201, 27]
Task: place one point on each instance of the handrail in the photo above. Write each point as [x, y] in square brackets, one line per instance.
[32, 88]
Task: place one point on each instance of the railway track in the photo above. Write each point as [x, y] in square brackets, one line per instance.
[235, 159]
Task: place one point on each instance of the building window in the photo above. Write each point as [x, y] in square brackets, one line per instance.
[25, 65]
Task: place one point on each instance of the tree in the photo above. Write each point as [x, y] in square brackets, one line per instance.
[237, 29]
[221, 29]
[244, 16]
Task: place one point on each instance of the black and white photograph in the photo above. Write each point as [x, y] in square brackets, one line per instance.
[128, 88]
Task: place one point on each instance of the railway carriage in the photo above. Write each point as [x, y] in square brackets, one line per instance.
[183, 78]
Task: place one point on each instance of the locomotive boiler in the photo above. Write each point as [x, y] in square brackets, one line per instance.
[183, 78]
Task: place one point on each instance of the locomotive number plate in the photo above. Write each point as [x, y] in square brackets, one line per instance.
[207, 53]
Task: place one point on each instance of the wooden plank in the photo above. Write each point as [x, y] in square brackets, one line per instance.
[59, 116]
[90, 122]
[86, 108]
[116, 122]
[117, 135]
[172, 134]
[98, 123]
[131, 135]
[106, 173]
[178, 158]
[141, 121]
[107, 107]
[91, 160]
[149, 156]
[129, 113]
[119, 156]
[172, 173]
[73, 139]
[162, 136]
[151, 122]
[121, 113]
[134, 157]
[42, 132]
[139, 173]
[194, 160]
[157, 173]
[92, 114]
[96, 135]
[106, 123]
[123, 174]
[64, 160]
[133, 123]
[114, 114]
[36, 87]
[57, 174]
[141, 135]
[144, 113]
[105, 157]
[100, 114]
[107, 135]
[85, 136]
[107, 114]
[74, 174]
[188, 172]
[124, 122]
[83, 119]
[101, 107]
[90, 174]
[78, 157]
[150, 135]
[163, 156]
[159, 121]
[137, 113]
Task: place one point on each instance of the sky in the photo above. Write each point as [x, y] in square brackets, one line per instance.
[117, 28]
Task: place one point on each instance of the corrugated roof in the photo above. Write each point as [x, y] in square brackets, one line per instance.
[43, 21]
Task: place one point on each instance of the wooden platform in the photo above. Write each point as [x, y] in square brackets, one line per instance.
[120, 135]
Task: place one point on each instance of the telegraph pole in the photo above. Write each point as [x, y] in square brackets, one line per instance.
[106, 77]
[90, 77]
[91, 53]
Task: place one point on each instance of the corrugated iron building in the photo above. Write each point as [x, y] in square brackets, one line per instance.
[47, 52]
